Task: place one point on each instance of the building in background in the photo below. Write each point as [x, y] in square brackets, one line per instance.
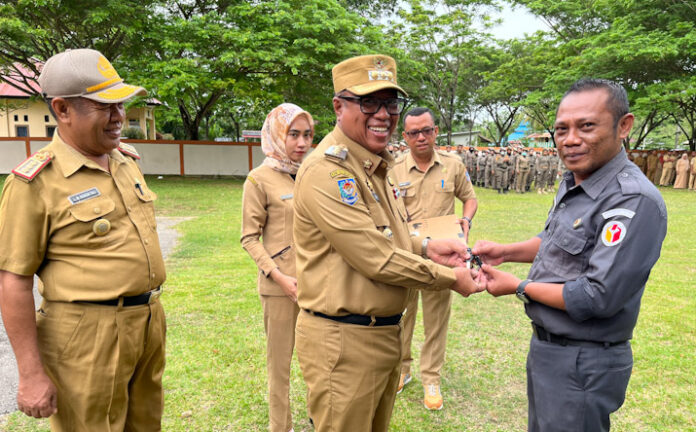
[24, 114]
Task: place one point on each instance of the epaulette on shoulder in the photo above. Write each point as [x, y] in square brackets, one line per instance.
[336, 152]
[252, 180]
[28, 169]
[128, 150]
[630, 185]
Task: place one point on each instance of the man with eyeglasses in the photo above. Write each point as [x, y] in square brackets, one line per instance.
[355, 260]
[429, 181]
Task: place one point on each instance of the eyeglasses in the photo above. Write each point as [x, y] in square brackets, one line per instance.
[427, 132]
[371, 105]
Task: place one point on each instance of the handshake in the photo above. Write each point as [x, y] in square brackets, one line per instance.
[473, 267]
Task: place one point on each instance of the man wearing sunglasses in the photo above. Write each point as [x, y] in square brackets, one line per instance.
[429, 181]
[355, 260]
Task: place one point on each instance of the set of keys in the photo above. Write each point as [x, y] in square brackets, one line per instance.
[473, 258]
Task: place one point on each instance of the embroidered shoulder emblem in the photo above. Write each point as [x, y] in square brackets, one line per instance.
[128, 150]
[613, 233]
[33, 165]
[348, 190]
[337, 152]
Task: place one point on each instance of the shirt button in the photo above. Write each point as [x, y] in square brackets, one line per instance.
[129, 209]
[147, 242]
[561, 205]
[152, 275]
[97, 210]
[565, 242]
[624, 174]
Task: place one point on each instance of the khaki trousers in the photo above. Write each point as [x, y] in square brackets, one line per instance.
[522, 181]
[279, 318]
[666, 178]
[106, 363]
[351, 372]
[436, 314]
[692, 181]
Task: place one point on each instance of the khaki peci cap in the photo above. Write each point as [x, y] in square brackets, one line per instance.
[365, 74]
[86, 73]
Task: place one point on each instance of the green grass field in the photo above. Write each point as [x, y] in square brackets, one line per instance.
[215, 375]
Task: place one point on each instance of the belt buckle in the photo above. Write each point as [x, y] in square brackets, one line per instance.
[154, 295]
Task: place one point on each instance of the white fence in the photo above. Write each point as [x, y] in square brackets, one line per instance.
[165, 157]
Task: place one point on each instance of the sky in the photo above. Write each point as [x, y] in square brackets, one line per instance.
[517, 22]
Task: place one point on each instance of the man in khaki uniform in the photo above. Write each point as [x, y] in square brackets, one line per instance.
[354, 256]
[542, 170]
[429, 181]
[640, 161]
[522, 172]
[501, 164]
[79, 215]
[651, 166]
[667, 169]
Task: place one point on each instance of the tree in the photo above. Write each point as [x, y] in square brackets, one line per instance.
[31, 32]
[440, 55]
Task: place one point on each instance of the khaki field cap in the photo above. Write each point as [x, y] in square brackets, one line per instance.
[365, 74]
[86, 73]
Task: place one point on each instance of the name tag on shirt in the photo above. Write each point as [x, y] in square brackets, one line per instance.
[286, 197]
[84, 196]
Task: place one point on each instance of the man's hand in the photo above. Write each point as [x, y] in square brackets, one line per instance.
[36, 396]
[490, 252]
[497, 282]
[465, 283]
[287, 283]
[449, 252]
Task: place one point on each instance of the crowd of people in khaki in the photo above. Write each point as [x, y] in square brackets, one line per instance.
[339, 270]
[667, 168]
[514, 167]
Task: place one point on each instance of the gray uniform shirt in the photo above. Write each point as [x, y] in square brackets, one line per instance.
[601, 240]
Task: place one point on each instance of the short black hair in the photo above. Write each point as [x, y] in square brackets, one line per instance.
[419, 111]
[617, 100]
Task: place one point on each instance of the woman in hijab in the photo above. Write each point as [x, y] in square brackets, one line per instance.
[267, 213]
[682, 181]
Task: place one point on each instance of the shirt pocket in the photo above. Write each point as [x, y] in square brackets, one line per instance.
[408, 193]
[565, 257]
[379, 217]
[86, 216]
[147, 199]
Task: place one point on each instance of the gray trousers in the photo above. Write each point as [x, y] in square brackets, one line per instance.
[573, 388]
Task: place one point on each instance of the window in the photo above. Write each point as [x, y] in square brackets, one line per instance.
[46, 118]
[22, 131]
[133, 123]
[26, 118]
[50, 130]
[16, 117]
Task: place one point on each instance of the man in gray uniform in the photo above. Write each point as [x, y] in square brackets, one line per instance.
[590, 265]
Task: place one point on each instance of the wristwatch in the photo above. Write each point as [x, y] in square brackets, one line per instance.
[520, 291]
[424, 247]
[468, 219]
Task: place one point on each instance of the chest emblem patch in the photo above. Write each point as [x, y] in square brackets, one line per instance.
[349, 192]
[613, 233]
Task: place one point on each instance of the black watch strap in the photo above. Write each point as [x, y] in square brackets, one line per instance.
[520, 291]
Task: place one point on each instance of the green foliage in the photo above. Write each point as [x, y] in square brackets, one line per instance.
[133, 132]
[441, 56]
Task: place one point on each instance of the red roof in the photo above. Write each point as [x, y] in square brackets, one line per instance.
[7, 90]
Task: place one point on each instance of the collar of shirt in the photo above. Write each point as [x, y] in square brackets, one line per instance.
[71, 160]
[411, 163]
[359, 155]
[597, 181]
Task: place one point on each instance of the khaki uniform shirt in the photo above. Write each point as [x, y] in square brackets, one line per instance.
[431, 193]
[652, 161]
[353, 245]
[522, 164]
[267, 212]
[47, 227]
